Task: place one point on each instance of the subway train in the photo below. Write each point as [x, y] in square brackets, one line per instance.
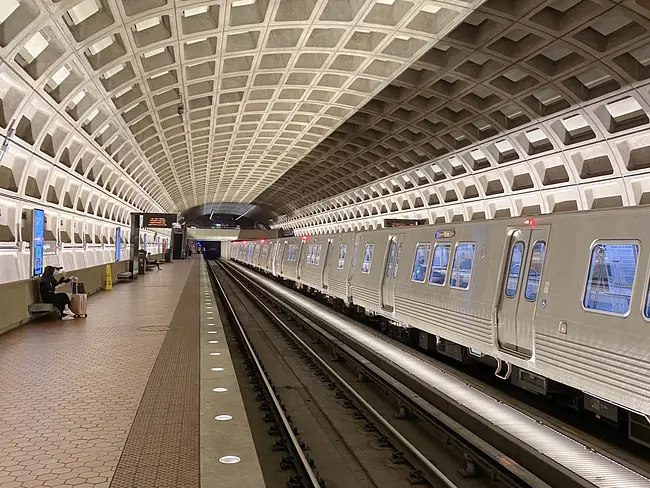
[558, 304]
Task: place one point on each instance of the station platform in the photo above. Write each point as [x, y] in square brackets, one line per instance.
[141, 393]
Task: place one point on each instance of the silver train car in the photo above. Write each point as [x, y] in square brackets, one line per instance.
[556, 303]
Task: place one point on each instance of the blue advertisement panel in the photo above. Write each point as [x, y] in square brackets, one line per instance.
[118, 243]
[38, 220]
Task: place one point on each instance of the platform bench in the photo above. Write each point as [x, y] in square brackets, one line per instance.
[37, 309]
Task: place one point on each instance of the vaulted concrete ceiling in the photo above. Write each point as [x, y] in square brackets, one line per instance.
[260, 82]
[526, 107]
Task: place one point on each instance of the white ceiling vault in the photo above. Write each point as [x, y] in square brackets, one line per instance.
[261, 82]
[526, 107]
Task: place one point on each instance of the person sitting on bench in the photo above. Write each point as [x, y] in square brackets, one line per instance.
[47, 287]
[152, 261]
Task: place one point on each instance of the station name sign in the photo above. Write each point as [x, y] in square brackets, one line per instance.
[405, 222]
[159, 220]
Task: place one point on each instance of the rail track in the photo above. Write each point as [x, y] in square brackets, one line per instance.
[382, 432]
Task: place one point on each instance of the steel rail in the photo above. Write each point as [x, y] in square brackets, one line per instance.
[419, 460]
[313, 477]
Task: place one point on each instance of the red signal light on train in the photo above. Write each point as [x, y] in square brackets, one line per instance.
[304, 238]
[530, 222]
[263, 241]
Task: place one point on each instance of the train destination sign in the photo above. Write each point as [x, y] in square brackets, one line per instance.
[160, 221]
[405, 222]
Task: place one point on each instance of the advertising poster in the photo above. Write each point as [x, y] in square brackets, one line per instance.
[118, 244]
[38, 220]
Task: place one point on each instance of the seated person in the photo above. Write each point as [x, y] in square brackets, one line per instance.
[47, 287]
[152, 261]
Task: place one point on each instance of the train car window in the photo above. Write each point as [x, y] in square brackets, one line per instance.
[419, 272]
[367, 258]
[342, 252]
[535, 270]
[391, 256]
[399, 253]
[516, 258]
[319, 247]
[440, 263]
[646, 310]
[611, 276]
[461, 270]
[310, 254]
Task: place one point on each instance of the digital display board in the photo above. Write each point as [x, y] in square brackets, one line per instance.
[445, 234]
[159, 221]
[404, 222]
[38, 231]
[118, 244]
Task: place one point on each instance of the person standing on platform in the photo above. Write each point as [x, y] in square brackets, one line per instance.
[47, 287]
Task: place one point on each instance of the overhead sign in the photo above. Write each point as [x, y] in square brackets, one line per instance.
[159, 221]
[38, 232]
[405, 222]
[445, 234]
[118, 243]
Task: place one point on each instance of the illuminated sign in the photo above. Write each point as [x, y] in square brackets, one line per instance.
[405, 222]
[118, 243]
[159, 221]
[38, 231]
[445, 234]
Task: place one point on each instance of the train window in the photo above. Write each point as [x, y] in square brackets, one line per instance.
[319, 247]
[310, 254]
[419, 271]
[391, 256]
[611, 276]
[344, 249]
[535, 270]
[461, 270]
[516, 258]
[399, 253]
[367, 258]
[646, 310]
[440, 263]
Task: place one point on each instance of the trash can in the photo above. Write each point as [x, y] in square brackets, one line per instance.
[168, 256]
[142, 263]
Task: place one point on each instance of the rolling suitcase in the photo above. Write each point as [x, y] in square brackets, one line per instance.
[79, 300]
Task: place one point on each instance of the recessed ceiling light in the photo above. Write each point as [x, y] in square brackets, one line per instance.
[147, 24]
[8, 8]
[215, 354]
[212, 332]
[34, 47]
[154, 52]
[229, 459]
[190, 12]
[216, 369]
[223, 417]
[219, 389]
[83, 10]
[213, 342]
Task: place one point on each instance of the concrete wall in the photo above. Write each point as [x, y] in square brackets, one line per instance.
[16, 296]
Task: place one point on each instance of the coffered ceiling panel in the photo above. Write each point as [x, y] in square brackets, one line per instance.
[214, 101]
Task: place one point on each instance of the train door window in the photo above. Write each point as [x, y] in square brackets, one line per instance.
[611, 276]
[419, 271]
[319, 247]
[440, 263]
[391, 256]
[646, 310]
[367, 258]
[310, 251]
[344, 249]
[399, 253]
[514, 270]
[461, 270]
[535, 270]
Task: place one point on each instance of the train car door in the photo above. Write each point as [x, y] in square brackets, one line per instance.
[303, 245]
[326, 263]
[280, 259]
[389, 274]
[521, 279]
